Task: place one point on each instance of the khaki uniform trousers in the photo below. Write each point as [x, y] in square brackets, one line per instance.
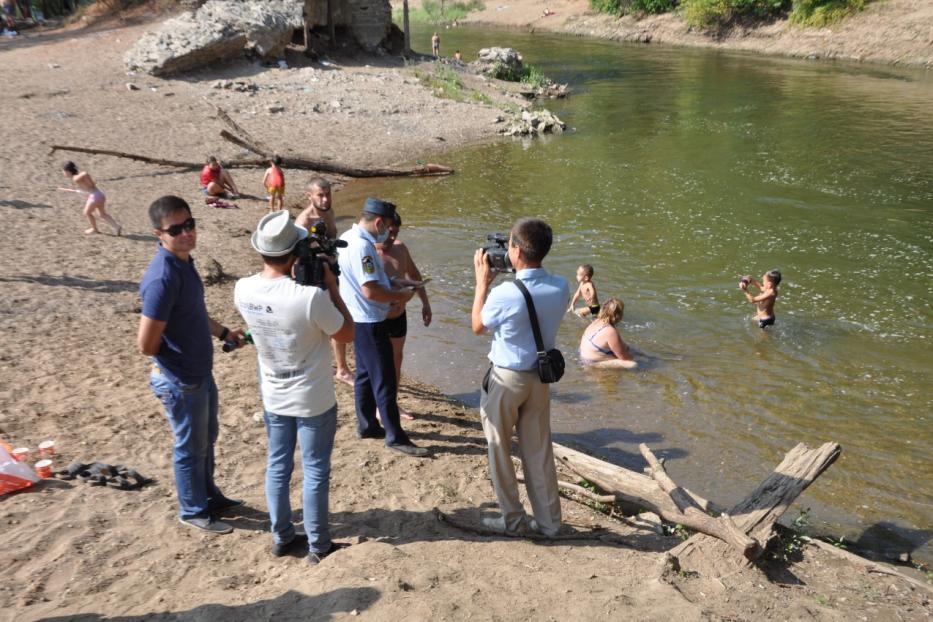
[519, 399]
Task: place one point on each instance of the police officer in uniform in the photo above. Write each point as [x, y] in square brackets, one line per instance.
[369, 293]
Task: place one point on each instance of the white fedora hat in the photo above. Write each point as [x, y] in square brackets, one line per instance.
[277, 234]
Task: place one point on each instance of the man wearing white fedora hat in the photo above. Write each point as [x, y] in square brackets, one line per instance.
[291, 325]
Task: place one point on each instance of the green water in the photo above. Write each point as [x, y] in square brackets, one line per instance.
[686, 169]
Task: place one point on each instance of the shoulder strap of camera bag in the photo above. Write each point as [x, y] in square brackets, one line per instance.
[539, 343]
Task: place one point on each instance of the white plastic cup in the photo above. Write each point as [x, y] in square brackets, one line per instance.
[47, 448]
[20, 454]
[44, 468]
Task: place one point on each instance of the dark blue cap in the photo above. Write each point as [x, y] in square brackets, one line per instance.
[379, 207]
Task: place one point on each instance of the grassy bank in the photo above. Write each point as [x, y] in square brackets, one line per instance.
[712, 14]
[434, 12]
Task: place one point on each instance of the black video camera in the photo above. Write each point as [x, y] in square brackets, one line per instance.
[311, 253]
[497, 253]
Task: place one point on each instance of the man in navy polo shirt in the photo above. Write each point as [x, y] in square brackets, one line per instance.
[368, 292]
[175, 330]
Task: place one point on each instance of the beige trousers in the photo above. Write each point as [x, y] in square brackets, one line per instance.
[518, 399]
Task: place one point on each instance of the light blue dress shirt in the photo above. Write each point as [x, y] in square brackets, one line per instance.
[360, 263]
[506, 314]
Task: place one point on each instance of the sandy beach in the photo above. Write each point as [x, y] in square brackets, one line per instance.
[71, 372]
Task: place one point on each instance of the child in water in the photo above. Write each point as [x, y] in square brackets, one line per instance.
[274, 182]
[587, 290]
[767, 295]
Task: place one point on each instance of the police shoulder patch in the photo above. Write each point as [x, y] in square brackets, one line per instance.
[369, 265]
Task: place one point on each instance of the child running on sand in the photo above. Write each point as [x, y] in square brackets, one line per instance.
[274, 182]
[587, 290]
[767, 295]
[96, 200]
[216, 182]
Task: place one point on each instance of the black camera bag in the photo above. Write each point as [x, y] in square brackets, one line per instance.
[550, 362]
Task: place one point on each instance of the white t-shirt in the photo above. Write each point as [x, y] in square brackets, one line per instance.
[291, 326]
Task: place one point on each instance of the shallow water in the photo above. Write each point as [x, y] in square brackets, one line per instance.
[686, 169]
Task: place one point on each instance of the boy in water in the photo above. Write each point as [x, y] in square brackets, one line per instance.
[587, 290]
[96, 201]
[274, 182]
[767, 294]
[216, 182]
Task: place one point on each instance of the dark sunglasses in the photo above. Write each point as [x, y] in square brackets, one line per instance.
[174, 230]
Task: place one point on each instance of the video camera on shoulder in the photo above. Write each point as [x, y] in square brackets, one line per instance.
[497, 253]
[312, 253]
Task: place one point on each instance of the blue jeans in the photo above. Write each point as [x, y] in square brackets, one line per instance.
[316, 437]
[192, 412]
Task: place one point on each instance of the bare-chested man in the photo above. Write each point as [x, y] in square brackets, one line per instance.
[401, 269]
[96, 201]
[319, 207]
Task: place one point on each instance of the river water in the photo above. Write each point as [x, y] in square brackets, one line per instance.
[686, 169]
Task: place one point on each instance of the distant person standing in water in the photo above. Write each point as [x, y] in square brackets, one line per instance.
[587, 290]
[767, 295]
[96, 200]
[436, 45]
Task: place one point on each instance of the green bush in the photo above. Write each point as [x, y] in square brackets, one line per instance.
[611, 7]
[718, 13]
[820, 13]
[654, 6]
[435, 12]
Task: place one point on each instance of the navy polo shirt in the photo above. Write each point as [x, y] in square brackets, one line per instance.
[173, 293]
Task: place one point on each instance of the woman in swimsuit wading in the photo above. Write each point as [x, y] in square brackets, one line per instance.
[601, 344]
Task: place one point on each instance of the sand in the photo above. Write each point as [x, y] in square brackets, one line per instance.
[70, 372]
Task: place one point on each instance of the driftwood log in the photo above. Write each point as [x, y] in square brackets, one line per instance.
[242, 138]
[658, 494]
[757, 513]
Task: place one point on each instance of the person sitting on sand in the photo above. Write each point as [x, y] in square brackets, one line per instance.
[547, 12]
[587, 290]
[767, 295]
[601, 344]
[96, 200]
[274, 183]
[9, 29]
[216, 182]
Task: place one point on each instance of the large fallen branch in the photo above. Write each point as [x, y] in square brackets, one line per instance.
[867, 564]
[757, 513]
[304, 163]
[658, 494]
[721, 527]
[243, 139]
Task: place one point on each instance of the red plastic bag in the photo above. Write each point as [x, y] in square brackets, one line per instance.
[14, 475]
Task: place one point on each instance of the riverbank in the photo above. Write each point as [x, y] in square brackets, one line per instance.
[70, 372]
[895, 32]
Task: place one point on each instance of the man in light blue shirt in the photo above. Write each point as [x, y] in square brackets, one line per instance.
[513, 396]
[368, 293]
